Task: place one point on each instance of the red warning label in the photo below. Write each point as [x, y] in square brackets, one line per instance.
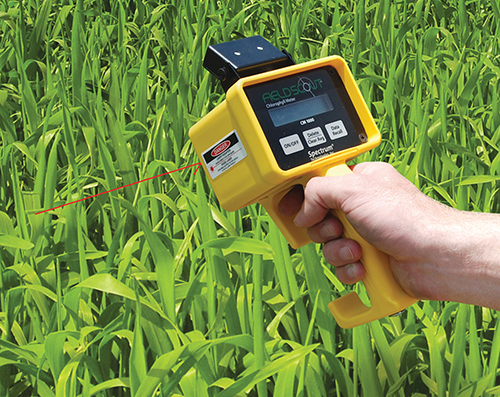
[219, 149]
[224, 154]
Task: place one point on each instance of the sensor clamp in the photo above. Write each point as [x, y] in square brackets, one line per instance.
[245, 57]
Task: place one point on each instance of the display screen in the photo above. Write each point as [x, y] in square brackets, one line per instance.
[306, 116]
[300, 110]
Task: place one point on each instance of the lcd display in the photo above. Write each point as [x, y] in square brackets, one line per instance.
[300, 110]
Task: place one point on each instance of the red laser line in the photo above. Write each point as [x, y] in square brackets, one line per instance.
[121, 187]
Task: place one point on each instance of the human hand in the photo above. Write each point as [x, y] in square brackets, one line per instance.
[426, 241]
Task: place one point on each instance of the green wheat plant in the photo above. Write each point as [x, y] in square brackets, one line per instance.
[154, 289]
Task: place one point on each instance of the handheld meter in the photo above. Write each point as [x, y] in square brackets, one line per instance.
[280, 125]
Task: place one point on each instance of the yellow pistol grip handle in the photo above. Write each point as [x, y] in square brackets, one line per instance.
[386, 295]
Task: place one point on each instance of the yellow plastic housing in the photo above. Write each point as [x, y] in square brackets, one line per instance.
[256, 177]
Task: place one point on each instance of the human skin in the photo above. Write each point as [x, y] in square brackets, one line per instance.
[436, 252]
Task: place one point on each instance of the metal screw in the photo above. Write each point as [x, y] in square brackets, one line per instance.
[222, 74]
[363, 138]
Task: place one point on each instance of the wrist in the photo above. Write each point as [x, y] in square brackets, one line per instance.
[466, 258]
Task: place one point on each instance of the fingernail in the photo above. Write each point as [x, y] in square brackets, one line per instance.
[327, 230]
[297, 220]
[351, 271]
[345, 253]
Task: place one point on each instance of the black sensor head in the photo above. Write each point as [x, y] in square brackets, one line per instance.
[245, 57]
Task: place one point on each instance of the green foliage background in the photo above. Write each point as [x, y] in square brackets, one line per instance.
[154, 290]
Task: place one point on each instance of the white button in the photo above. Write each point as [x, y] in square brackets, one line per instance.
[291, 144]
[336, 129]
[314, 137]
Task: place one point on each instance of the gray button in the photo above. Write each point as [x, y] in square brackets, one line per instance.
[336, 130]
[291, 144]
[314, 136]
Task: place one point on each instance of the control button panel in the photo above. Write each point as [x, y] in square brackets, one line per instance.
[306, 116]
